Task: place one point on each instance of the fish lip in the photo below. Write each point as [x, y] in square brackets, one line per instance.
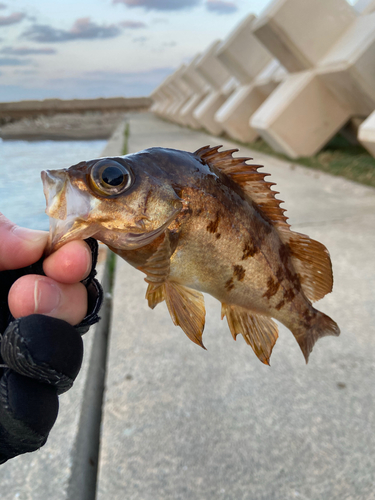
[63, 231]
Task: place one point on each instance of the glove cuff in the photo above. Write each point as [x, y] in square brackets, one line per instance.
[94, 292]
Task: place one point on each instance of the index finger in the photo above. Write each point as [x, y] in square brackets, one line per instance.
[19, 246]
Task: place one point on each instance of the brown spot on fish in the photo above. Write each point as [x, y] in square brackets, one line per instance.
[218, 235]
[213, 225]
[229, 285]
[239, 272]
[289, 295]
[280, 305]
[273, 286]
[249, 250]
[307, 316]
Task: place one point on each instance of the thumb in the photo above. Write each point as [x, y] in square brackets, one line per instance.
[19, 247]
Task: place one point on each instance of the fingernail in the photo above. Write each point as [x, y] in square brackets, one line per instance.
[47, 296]
[29, 234]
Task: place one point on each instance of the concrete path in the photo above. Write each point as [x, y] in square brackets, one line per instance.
[182, 423]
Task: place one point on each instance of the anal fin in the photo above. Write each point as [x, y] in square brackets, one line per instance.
[155, 294]
[186, 307]
[259, 331]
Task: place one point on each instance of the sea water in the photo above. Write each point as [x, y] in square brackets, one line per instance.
[21, 190]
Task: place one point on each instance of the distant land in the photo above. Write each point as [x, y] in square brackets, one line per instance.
[23, 109]
[75, 119]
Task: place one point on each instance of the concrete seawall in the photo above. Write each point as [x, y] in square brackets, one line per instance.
[28, 109]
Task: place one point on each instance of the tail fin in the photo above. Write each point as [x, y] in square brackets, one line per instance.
[321, 326]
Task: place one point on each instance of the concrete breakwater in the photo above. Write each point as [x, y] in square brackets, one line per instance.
[56, 119]
[27, 109]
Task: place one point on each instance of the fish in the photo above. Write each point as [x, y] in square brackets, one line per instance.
[194, 223]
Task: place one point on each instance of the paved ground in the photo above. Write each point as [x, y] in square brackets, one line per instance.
[183, 423]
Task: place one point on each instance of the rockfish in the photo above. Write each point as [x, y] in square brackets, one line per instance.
[199, 222]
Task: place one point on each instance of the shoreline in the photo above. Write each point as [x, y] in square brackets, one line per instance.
[96, 125]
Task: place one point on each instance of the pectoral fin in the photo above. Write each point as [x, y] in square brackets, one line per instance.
[260, 332]
[186, 307]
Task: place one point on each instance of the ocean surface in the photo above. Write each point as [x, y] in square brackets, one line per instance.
[21, 191]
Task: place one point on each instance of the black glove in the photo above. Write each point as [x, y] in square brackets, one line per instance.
[40, 358]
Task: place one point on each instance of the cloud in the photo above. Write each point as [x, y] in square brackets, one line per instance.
[13, 61]
[82, 29]
[221, 7]
[133, 25]
[90, 85]
[26, 71]
[140, 39]
[26, 51]
[160, 4]
[14, 18]
[2, 6]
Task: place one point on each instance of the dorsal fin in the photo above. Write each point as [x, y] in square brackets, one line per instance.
[251, 181]
[310, 258]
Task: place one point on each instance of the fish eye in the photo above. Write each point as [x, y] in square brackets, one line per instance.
[109, 177]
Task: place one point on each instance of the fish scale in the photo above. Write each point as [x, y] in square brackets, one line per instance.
[199, 222]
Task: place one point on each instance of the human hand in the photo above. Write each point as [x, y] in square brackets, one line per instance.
[41, 352]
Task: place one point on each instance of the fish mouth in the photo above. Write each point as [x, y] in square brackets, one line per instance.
[68, 210]
[63, 231]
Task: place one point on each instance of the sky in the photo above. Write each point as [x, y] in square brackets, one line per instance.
[105, 48]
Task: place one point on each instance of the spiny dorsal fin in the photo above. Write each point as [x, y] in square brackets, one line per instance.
[309, 257]
[259, 332]
[186, 307]
[251, 181]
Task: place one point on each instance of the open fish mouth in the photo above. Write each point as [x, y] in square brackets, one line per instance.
[63, 231]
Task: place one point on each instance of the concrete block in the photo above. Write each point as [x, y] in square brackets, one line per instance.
[348, 69]
[366, 134]
[211, 69]
[235, 113]
[222, 83]
[242, 53]
[205, 112]
[339, 47]
[199, 89]
[365, 6]
[178, 91]
[300, 116]
[187, 111]
[299, 33]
